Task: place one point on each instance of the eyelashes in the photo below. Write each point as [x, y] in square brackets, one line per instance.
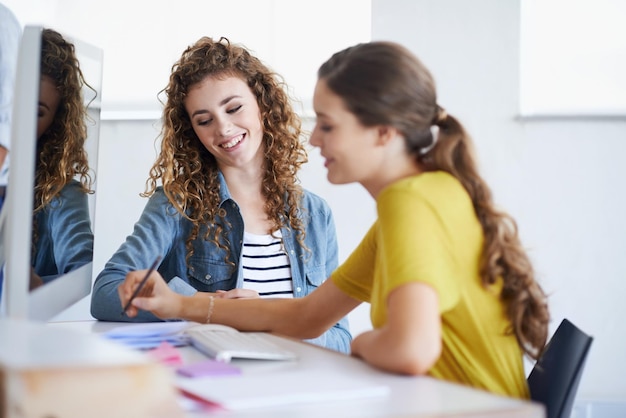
[205, 122]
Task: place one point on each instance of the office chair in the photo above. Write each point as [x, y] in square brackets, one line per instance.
[554, 379]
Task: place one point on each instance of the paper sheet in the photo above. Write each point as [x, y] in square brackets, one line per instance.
[150, 335]
[261, 390]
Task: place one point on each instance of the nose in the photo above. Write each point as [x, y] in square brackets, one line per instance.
[314, 139]
[224, 125]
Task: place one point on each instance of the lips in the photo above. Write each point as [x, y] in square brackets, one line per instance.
[233, 142]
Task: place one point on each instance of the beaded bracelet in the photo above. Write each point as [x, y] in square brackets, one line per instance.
[210, 311]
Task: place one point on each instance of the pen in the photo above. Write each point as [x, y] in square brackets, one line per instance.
[141, 284]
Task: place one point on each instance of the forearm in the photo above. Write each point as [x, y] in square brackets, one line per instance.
[385, 352]
[264, 315]
[106, 305]
[410, 341]
[303, 318]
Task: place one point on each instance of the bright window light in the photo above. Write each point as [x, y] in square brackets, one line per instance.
[573, 58]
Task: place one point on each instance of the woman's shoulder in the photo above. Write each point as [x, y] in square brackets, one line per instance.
[313, 201]
[72, 188]
[158, 194]
[72, 184]
[159, 204]
[425, 182]
[435, 186]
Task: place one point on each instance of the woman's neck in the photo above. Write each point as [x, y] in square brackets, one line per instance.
[245, 187]
[392, 172]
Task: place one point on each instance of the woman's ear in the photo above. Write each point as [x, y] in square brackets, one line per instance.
[386, 133]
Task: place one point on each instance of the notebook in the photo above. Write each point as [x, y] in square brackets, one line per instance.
[279, 389]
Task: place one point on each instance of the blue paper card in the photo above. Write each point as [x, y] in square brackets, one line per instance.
[150, 335]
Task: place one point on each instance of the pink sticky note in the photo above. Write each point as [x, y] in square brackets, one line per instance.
[167, 354]
[208, 368]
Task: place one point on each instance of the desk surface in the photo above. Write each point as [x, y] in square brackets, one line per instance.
[408, 396]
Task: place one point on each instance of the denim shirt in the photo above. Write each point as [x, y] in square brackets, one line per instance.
[161, 230]
[65, 237]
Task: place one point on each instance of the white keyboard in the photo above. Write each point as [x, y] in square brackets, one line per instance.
[225, 343]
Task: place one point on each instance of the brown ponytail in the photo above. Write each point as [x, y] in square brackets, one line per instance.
[503, 255]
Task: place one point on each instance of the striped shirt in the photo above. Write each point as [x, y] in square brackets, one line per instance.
[266, 267]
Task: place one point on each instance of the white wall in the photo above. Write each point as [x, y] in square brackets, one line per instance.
[562, 179]
[143, 38]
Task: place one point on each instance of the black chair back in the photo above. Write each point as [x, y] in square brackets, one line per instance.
[554, 379]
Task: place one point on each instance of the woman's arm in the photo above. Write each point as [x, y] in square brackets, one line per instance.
[410, 341]
[70, 228]
[306, 317]
[153, 235]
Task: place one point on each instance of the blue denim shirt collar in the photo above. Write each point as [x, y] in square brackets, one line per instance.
[224, 192]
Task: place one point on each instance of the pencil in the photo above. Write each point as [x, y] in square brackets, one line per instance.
[141, 284]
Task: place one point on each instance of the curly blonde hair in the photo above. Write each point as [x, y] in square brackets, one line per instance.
[61, 154]
[404, 96]
[189, 173]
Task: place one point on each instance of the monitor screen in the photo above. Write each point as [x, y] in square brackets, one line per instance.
[46, 234]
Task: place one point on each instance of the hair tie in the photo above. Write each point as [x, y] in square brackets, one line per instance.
[434, 131]
[440, 116]
[435, 127]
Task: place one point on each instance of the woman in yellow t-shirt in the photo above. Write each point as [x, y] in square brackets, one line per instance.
[452, 292]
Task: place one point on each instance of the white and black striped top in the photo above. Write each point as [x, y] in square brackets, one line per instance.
[266, 267]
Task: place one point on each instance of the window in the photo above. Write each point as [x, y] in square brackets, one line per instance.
[573, 58]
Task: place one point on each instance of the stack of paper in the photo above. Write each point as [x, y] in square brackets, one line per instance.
[150, 335]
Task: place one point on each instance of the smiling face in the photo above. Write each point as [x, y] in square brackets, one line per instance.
[226, 118]
[49, 98]
[351, 150]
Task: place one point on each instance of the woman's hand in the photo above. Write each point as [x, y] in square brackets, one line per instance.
[237, 294]
[155, 296]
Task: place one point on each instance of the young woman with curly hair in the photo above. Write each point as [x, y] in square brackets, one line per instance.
[452, 291]
[226, 213]
[62, 233]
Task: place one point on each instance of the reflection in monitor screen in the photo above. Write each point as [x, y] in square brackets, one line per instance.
[62, 206]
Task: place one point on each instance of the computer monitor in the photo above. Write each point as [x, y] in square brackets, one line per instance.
[16, 218]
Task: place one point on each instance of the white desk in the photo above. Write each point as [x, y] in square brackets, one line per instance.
[409, 396]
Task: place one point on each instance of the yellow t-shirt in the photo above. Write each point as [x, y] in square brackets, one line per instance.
[427, 232]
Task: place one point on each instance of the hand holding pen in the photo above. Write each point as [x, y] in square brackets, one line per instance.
[141, 284]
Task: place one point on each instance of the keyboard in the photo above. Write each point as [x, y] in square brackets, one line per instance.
[225, 343]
